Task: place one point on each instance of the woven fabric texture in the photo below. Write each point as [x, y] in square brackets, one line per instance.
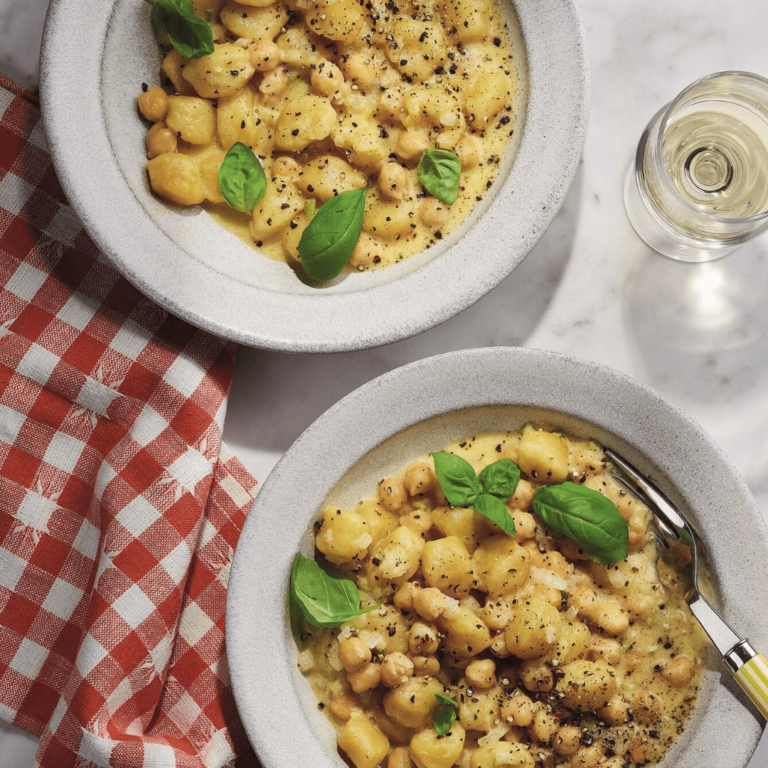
[119, 506]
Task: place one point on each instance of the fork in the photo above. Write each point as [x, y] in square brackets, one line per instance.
[747, 665]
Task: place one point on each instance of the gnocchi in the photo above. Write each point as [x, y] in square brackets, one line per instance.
[553, 661]
[353, 94]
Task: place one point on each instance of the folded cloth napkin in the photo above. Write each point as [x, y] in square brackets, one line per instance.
[119, 506]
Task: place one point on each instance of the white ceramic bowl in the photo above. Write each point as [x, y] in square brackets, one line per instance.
[424, 406]
[95, 58]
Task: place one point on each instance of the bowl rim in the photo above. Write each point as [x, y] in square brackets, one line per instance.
[432, 387]
[71, 84]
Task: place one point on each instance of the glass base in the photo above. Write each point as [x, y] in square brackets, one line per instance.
[658, 234]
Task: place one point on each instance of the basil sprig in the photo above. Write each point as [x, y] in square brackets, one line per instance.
[439, 172]
[329, 239]
[189, 34]
[444, 715]
[242, 181]
[325, 597]
[587, 517]
[486, 492]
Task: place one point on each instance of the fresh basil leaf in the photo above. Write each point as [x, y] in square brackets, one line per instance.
[495, 510]
[325, 597]
[329, 239]
[457, 478]
[444, 715]
[189, 34]
[587, 517]
[298, 624]
[500, 478]
[443, 699]
[439, 172]
[242, 181]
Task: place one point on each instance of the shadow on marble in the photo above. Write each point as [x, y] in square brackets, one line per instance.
[701, 331]
[699, 327]
[291, 391]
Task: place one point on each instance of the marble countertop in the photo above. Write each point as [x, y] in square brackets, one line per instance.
[696, 333]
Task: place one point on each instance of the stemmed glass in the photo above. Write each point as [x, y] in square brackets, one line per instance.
[698, 186]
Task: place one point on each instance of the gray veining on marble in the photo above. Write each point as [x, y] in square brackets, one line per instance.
[696, 333]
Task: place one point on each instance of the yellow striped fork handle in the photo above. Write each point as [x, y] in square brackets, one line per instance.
[753, 678]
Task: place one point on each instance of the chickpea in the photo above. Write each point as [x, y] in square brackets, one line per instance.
[327, 79]
[679, 672]
[517, 709]
[587, 757]
[341, 706]
[481, 673]
[411, 145]
[616, 711]
[536, 675]
[555, 562]
[285, 167]
[606, 649]
[433, 213]
[533, 550]
[647, 708]
[523, 496]
[544, 726]
[354, 654]
[614, 762]
[682, 554]
[525, 525]
[365, 679]
[392, 494]
[367, 251]
[572, 550]
[393, 183]
[154, 104]
[274, 83]
[161, 140]
[517, 734]
[403, 598]
[632, 659]
[611, 619]
[499, 646]
[360, 69]
[567, 740]
[419, 476]
[468, 149]
[425, 666]
[640, 748]
[585, 600]
[399, 758]
[431, 603]
[396, 669]
[265, 56]
[639, 606]
[423, 639]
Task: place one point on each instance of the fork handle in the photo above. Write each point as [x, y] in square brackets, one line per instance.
[751, 672]
[748, 666]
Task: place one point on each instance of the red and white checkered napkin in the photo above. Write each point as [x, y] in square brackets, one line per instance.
[119, 506]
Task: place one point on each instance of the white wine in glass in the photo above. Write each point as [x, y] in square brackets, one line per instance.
[699, 185]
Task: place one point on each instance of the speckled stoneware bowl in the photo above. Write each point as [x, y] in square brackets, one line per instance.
[95, 58]
[424, 406]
